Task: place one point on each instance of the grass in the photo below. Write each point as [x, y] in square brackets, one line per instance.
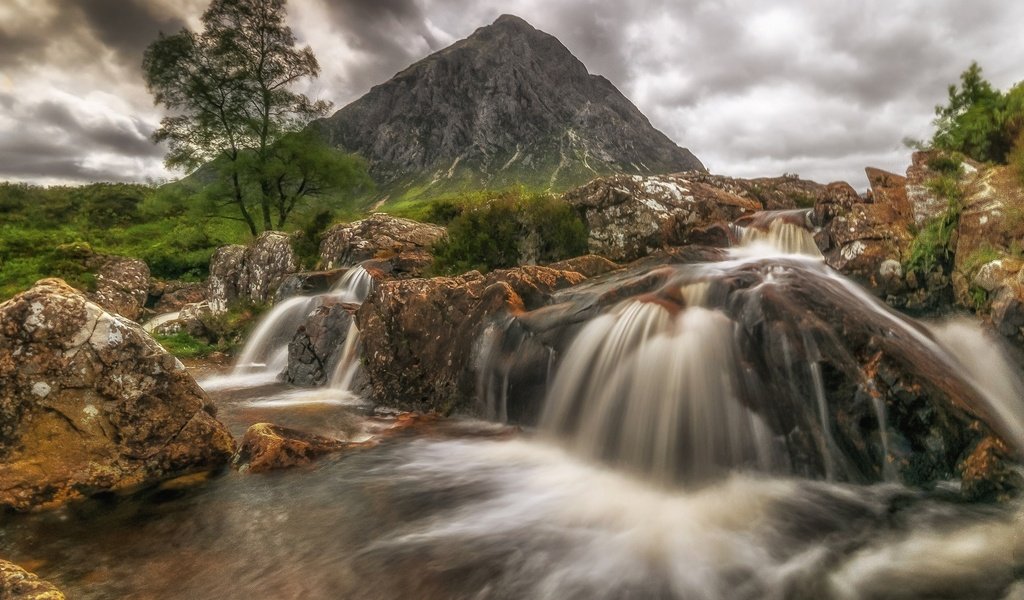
[183, 345]
[932, 246]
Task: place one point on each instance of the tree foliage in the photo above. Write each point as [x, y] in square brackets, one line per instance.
[978, 120]
[229, 90]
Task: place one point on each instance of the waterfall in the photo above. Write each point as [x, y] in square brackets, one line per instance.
[688, 372]
[265, 354]
[659, 394]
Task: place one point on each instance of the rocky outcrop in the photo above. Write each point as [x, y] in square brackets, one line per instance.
[18, 584]
[867, 239]
[89, 403]
[628, 217]
[250, 273]
[380, 236]
[989, 261]
[318, 345]
[122, 286]
[518, 109]
[268, 447]
[420, 336]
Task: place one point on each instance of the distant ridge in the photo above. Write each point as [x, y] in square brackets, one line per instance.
[508, 105]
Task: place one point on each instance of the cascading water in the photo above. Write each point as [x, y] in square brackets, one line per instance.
[734, 365]
[265, 354]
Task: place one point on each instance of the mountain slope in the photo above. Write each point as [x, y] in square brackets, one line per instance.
[508, 105]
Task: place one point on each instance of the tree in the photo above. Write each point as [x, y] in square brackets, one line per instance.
[978, 120]
[229, 89]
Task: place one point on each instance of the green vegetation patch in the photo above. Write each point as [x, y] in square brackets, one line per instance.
[505, 231]
[932, 246]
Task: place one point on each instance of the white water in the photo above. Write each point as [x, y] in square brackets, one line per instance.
[265, 354]
[657, 394]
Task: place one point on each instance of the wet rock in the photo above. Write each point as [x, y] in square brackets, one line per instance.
[18, 584]
[379, 236]
[250, 273]
[89, 402]
[806, 333]
[630, 216]
[192, 319]
[268, 447]
[420, 336]
[171, 296]
[317, 348]
[307, 283]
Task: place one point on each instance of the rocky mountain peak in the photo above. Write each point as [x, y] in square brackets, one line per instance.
[509, 105]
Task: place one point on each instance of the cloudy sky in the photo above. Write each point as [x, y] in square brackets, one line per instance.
[751, 87]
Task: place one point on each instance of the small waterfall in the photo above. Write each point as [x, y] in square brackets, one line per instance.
[779, 237]
[265, 354]
[653, 390]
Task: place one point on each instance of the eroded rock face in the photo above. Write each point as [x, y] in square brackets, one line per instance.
[251, 273]
[89, 402]
[122, 286]
[18, 584]
[589, 265]
[380, 236]
[268, 447]
[318, 345]
[420, 336]
[630, 216]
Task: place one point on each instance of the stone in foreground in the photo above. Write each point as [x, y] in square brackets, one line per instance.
[18, 584]
[268, 447]
[89, 403]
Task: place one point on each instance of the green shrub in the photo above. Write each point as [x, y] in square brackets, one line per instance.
[946, 164]
[492, 235]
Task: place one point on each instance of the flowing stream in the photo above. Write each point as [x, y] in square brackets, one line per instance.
[646, 477]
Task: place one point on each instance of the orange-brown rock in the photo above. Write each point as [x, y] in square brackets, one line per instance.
[589, 265]
[268, 447]
[867, 239]
[89, 402]
[18, 584]
[420, 336]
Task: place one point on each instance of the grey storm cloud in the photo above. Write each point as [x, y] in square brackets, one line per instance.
[127, 26]
[753, 88]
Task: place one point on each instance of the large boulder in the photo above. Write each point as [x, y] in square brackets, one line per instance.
[89, 402]
[122, 286]
[18, 584]
[250, 273]
[420, 336]
[380, 236]
[628, 217]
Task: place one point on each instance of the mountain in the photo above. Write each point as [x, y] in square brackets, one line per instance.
[508, 105]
